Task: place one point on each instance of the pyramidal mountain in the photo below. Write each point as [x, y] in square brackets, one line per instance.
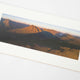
[27, 30]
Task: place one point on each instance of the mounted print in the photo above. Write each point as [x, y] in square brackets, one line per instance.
[31, 34]
[46, 38]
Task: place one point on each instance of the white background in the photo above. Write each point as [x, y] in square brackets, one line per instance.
[12, 68]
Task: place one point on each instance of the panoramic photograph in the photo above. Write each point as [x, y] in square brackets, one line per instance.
[40, 36]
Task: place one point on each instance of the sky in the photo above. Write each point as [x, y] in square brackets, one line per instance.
[41, 24]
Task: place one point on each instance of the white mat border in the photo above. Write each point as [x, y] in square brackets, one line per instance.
[34, 54]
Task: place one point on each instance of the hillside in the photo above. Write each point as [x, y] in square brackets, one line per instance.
[27, 30]
[9, 24]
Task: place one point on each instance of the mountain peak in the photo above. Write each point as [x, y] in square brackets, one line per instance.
[28, 30]
[34, 28]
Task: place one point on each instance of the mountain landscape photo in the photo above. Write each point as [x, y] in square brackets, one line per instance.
[39, 38]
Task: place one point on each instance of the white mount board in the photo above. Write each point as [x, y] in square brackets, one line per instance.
[38, 55]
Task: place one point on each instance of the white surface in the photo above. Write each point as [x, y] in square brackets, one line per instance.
[67, 8]
[13, 68]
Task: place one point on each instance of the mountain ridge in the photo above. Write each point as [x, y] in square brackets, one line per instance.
[20, 28]
[30, 29]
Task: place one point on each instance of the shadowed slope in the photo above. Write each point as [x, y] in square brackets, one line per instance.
[9, 24]
[53, 32]
[6, 23]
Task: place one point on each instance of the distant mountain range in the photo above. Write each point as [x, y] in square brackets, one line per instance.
[26, 29]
